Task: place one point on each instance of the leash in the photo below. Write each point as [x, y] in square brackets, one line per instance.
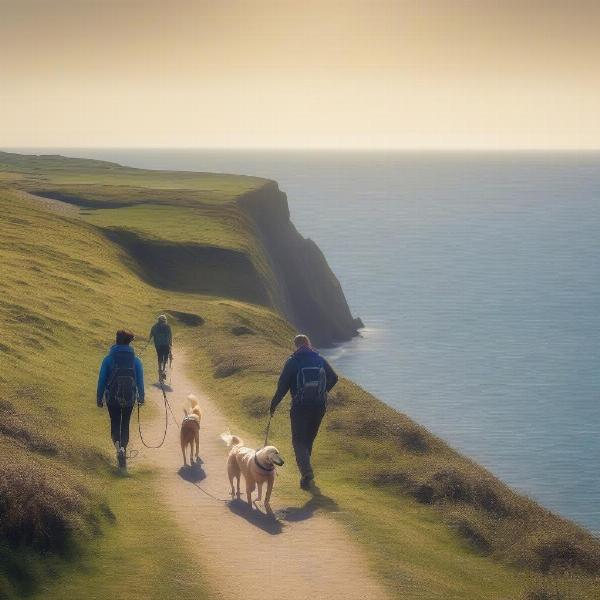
[165, 430]
[210, 495]
[267, 431]
[167, 404]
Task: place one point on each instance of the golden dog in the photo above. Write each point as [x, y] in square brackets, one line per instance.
[190, 429]
[257, 466]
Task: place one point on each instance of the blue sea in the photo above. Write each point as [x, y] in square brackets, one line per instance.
[478, 279]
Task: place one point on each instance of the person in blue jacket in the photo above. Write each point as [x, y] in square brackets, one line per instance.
[120, 383]
[308, 377]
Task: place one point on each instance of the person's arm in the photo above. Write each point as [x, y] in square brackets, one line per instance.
[283, 386]
[330, 374]
[151, 333]
[139, 380]
[102, 380]
[170, 336]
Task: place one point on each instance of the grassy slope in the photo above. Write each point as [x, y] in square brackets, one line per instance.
[373, 462]
[64, 291]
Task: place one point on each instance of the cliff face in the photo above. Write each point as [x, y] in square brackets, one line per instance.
[308, 294]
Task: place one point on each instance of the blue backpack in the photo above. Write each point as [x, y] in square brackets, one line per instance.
[122, 382]
[311, 380]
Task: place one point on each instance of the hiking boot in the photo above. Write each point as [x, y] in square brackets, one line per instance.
[122, 458]
[307, 482]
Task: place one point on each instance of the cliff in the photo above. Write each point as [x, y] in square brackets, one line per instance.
[309, 294]
[221, 235]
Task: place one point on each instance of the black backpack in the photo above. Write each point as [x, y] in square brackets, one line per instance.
[122, 382]
[311, 381]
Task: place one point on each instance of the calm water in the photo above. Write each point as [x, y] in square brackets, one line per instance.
[478, 279]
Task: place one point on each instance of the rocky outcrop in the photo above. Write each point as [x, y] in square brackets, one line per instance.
[309, 294]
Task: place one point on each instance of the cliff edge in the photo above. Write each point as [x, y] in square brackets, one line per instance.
[309, 295]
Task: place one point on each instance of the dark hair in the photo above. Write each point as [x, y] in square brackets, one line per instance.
[124, 337]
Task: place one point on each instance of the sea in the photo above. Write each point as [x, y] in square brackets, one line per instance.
[477, 276]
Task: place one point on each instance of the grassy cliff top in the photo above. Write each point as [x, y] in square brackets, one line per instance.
[61, 174]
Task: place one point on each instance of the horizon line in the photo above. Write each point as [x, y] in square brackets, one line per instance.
[425, 149]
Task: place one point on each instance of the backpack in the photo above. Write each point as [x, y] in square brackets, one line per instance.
[311, 381]
[122, 383]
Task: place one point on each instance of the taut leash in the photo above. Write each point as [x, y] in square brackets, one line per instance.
[267, 431]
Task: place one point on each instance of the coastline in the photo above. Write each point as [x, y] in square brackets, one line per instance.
[463, 513]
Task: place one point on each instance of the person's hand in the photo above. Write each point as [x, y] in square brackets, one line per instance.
[99, 403]
[272, 410]
[141, 401]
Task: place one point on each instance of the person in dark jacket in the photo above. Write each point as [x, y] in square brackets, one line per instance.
[308, 377]
[163, 341]
[121, 382]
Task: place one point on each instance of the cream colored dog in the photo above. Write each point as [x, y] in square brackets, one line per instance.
[190, 429]
[257, 466]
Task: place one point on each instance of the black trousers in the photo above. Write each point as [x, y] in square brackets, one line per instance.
[305, 426]
[162, 353]
[119, 423]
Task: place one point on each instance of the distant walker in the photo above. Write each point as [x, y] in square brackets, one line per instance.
[308, 377]
[163, 342]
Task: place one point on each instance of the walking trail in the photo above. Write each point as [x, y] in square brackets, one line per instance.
[294, 555]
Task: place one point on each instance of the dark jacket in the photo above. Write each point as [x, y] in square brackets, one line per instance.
[288, 380]
[161, 332]
[106, 368]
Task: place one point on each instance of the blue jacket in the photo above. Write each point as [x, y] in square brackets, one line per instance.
[106, 368]
[288, 380]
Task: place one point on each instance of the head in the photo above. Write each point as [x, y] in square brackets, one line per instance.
[269, 456]
[162, 318]
[302, 341]
[124, 337]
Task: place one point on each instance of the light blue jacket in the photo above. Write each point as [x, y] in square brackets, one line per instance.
[106, 368]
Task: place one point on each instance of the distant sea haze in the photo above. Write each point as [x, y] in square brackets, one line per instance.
[477, 276]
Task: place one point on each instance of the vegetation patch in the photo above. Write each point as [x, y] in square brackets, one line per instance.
[242, 330]
[41, 508]
[186, 318]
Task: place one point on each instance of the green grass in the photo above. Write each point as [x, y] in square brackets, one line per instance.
[433, 523]
[64, 293]
[207, 227]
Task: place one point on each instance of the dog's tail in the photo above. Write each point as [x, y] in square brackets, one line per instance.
[194, 406]
[231, 440]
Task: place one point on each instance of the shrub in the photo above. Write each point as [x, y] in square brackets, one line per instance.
[567, 554]
[189, 319]
[256, 406]
[40, 509]
[242, 330]
[474, 535]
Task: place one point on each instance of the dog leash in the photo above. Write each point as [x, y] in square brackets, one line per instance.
[168, 404]
[210, 495]
[164, 432]
[167, 408]
[267, 431]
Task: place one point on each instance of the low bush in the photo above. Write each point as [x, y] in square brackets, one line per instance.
[43, 509]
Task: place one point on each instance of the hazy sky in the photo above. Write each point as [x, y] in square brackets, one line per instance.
[342, 74]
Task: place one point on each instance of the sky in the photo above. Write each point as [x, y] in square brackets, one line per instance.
[418, 74]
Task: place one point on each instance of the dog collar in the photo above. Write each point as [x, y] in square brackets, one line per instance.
[267, 469]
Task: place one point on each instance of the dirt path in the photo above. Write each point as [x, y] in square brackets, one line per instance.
[245, 554]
